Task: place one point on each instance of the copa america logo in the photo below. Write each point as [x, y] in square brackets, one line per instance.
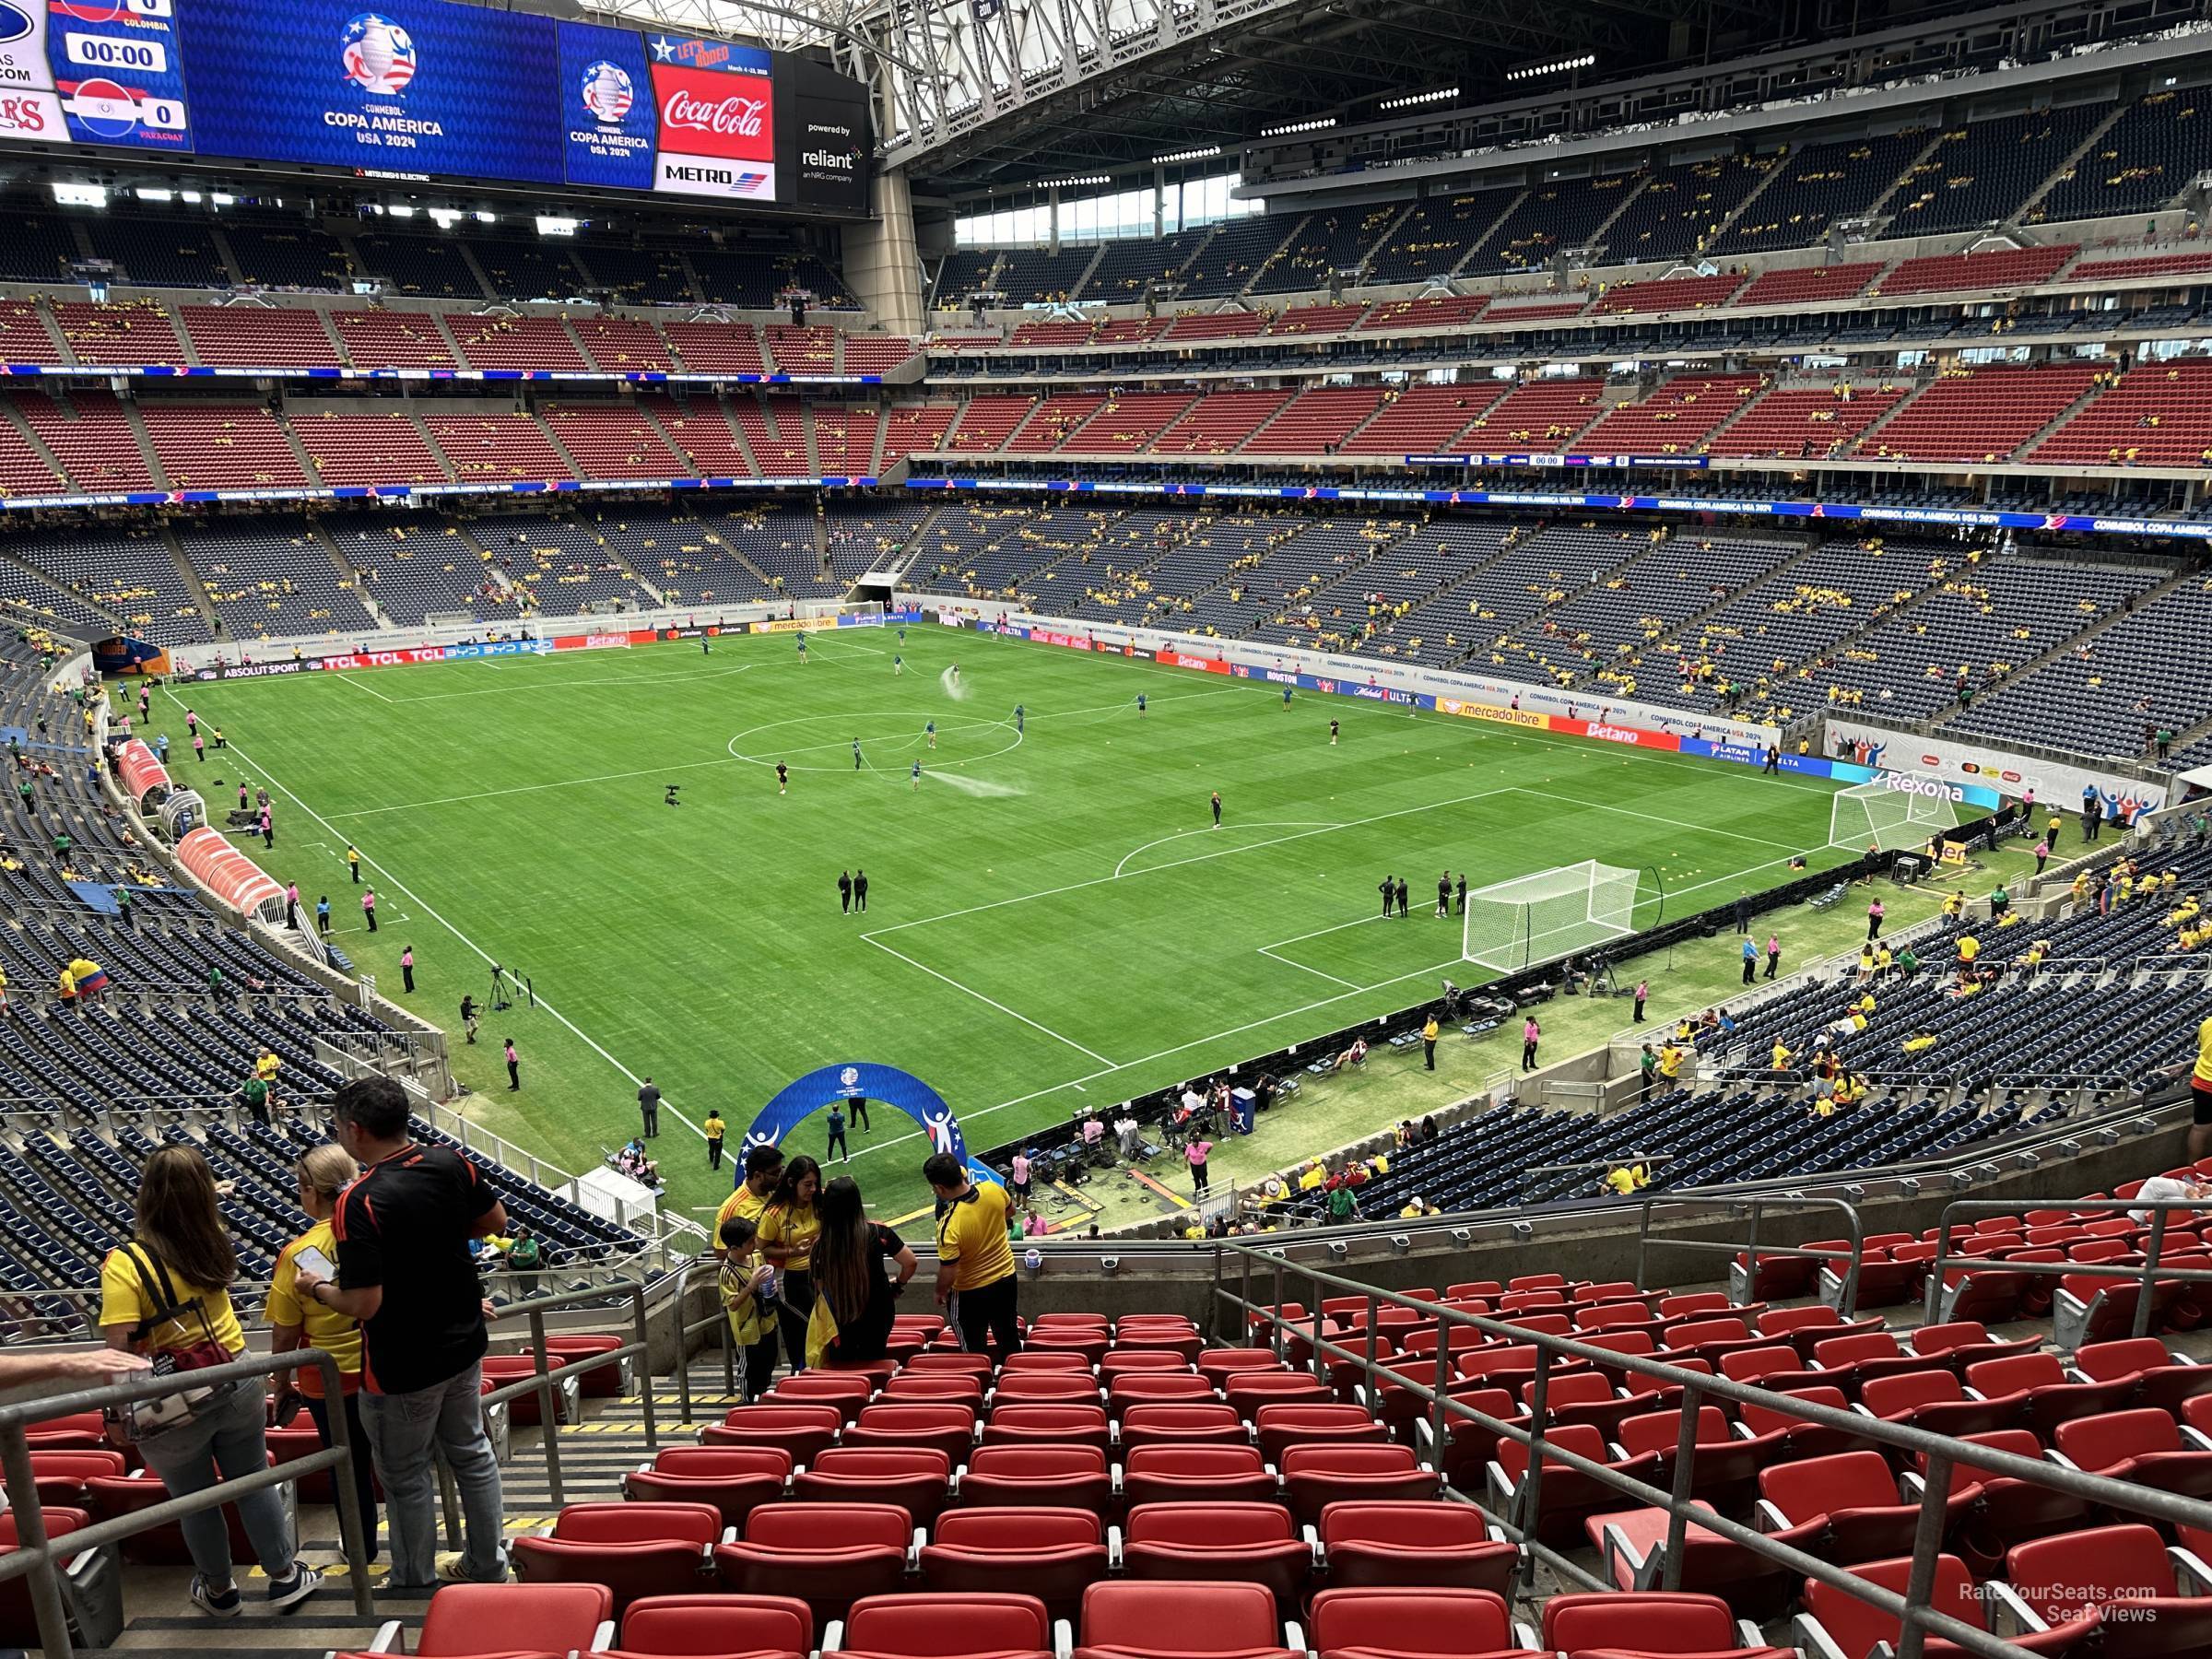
[740, 117]
[606, 92]
[379, 56]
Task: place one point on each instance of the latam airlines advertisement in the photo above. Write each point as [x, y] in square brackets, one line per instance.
[430, 89]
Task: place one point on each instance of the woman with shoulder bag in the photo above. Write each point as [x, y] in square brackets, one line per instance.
[166, 1294]
[299, 1322]
[860, 1267]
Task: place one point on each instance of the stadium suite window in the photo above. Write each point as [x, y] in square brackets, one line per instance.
[1097, 219]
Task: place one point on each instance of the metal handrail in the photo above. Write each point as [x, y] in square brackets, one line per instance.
[1937, 1454]
[541, 1383]
[37, 1556]
[2143, 1276]
[1852, 1259]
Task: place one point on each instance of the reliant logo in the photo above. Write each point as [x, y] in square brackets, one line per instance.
[1606, 733]
[841, 162]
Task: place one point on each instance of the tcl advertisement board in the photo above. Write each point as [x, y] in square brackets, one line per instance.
[431, 89]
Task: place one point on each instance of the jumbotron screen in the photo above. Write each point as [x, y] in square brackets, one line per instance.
[430, 90]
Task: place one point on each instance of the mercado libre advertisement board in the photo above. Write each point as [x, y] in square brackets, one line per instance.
[428, 90]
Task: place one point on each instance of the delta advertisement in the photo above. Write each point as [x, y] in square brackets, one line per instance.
[1969, 765]
[429, 89]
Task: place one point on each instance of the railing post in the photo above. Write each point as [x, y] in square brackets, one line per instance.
[683, 1353]
[353, 1526]
[1279, 1337]
[1530, 1510]
[1440, 1420]
[729, 1346]
[1927, 1543]
[644, 1342]
[1643, 1237]
[1243, 1332]
[1750, 1254]
[1213, 1298]
[1849, 1298]
[2150, 1263]
[549, 1418]
[1320, 1361]
[1678, 1509]
[30, 1538]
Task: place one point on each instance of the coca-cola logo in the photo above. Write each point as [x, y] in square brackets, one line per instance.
[739, 117]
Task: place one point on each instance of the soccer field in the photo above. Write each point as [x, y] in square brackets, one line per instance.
[1053, 924]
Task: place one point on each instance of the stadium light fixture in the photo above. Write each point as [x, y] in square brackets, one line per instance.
[557, 226]
[1412, 98]
[154, 192]
[1557, 66]
[1321, 124]
[1204, 153]
[445, 218]
[71, 195]
[1076, 182]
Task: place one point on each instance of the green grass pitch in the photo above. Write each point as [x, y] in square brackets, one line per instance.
[1053, 923]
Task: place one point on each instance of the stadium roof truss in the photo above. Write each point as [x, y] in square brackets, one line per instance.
[965, 87]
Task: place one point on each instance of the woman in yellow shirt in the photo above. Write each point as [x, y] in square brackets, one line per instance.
[298, 1322]
[169, 1291]
[789, 1227]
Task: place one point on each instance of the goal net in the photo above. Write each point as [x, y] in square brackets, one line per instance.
[1889, 816]
[1540, 918]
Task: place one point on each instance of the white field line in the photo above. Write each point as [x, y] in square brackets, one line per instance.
[1208, 829]
[371, 690]
[397, 886]
[1009, 1013]
[1655, 818]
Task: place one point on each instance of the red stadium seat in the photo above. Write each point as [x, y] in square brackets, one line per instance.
[1315, 1476]
[1047, 1387]
[1648, 1623]
[846, 1390]
[2127, 1576]
[1172, 1423]
[1444, 1545]
[973, 1625]
[1568, 1496]
[91, 1583]
[1162, 1621]
[635, 1549]
[716, 1627]
[828, 1555]
[1805, 1328]
[916, 1479]
[1854, 1496]
[1247, 1542]
[978, 1365]
[2145, 1446]
[2013, 1509]
[1167, 1474]
[1856, 1628]
[2043, 1395]
[1028, 1360]
[1279, 1427]
[1937, 1402]
[1217, 1365]
[950, 1428]
[520, 1619]
[1053, 1554]
[1248, 1391]
[60, 1475]
[1633, 1545]
[1047, 1477]
[734, 1479]
[1431, 1624]
[2163, 1379]
[1966, 1342]
[956, 1388]
[801, 1432]
[1723, 1469]
[1023, 1423]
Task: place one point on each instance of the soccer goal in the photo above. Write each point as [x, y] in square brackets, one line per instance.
[1889, 816]
[1553, 914]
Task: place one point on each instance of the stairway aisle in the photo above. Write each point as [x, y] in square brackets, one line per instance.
[594, 1454]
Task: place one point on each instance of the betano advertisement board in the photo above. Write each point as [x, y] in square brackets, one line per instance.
[431, 89]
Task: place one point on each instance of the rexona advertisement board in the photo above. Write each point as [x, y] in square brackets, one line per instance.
[433, 89]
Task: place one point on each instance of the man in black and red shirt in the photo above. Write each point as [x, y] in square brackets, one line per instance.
[404, 1228]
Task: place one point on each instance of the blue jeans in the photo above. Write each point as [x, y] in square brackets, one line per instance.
[224, 1442]
[405, 1431]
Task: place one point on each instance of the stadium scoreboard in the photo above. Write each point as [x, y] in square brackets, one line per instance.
[430, 90]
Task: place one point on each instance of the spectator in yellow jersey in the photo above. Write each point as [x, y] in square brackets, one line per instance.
[975, 1265]
[297, 1323]
[2200, 1094]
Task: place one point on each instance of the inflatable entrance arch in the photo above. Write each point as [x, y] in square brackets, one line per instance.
[879, 1086]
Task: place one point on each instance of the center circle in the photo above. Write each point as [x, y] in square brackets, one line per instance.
[899, 745]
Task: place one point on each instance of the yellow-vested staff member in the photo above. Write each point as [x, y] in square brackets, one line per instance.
[296, 1321]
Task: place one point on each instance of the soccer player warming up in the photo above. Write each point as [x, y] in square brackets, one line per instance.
[783, 778]
[1217, 809]
[1332, 728]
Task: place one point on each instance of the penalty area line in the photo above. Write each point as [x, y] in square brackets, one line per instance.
[991, 1002]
